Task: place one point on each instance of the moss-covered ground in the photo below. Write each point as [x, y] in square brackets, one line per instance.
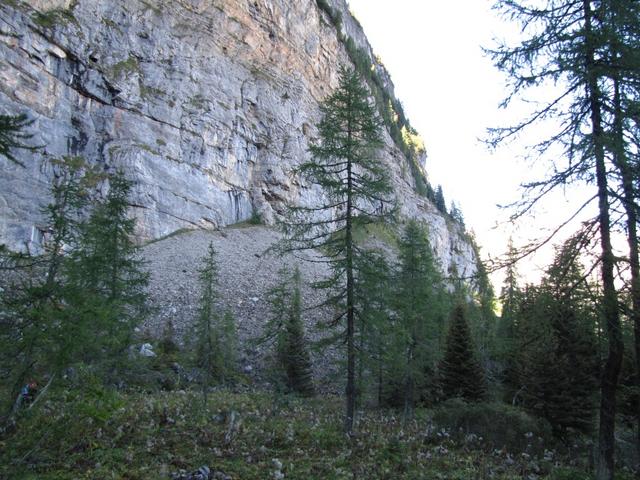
[108, 434]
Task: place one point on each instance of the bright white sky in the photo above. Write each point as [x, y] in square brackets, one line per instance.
[450, 92]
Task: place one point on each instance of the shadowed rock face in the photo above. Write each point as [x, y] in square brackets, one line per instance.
[206, 104]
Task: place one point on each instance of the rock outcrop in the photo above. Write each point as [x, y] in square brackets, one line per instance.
[206, 104]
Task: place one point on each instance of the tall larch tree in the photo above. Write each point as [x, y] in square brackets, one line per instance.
[621, 25]
[357, 192]
[561, 51]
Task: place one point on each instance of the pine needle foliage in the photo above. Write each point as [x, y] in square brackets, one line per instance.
[575, 53]
[214, 335]
[106, 277]
[286, 329]
[419, 303]
[357, 192]
[39, 333]
[374, 281]
[12, 136]
[461, 374]
[556, 354]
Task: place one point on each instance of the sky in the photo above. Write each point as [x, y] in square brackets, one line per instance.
[450, 91]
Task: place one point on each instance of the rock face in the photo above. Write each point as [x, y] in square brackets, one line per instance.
[206, 104]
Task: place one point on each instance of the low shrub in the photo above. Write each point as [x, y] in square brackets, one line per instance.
[497, 424]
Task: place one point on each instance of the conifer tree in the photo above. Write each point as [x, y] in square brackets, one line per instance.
[104, 274]
[507, 326]
[287, 329]
[374, 328]
[214, 332]
[419, 302]
[441, 205]
[556, 348]
[564, 44]
[482, 310]
[357, 188]
[573, 320]
[456, 214]
[621, 22]
[12, 136]
[460, 373]
[509, 298]
[37, 334]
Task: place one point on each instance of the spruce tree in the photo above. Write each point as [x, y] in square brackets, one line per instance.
[456, 214]
[287, 329]
[419, 302]
[214, 334]
[555, 350]
[441, 205]
[509, 299]
[460, 373]
[356, 186]
[482, 310]
[507, 325]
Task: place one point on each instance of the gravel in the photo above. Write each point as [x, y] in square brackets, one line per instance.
[247, 270]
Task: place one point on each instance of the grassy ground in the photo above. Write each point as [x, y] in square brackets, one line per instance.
[105, 434]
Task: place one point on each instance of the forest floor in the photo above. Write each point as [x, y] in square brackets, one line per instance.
[106, 434]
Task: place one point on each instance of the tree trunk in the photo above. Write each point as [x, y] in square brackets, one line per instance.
[609, 380]
[409, 384]
[351, 354]
[630, 208]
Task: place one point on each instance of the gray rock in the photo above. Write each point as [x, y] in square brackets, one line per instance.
[146, 350]
[207, 106]
[203, 473]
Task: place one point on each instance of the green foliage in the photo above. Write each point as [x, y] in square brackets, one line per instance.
[214, 335]
[364, 235]
[255, 219]
[580, 47]
[456, 214]
[461, 374]
[56, 16]
[419, 302]
[12, 135]
[286, 328]
[374, 296]
[125, 67]
[105, 278]
[482, 317]
[389, 108]
[555, 355]
[440, 203]
[510, 296]
[357, 190]
[78, 302]
[109, 434]
[499, 425]
[37, 334]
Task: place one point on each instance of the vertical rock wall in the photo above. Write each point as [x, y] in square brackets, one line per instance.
[206, 104]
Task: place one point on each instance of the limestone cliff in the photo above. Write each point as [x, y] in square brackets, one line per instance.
[206, 104]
